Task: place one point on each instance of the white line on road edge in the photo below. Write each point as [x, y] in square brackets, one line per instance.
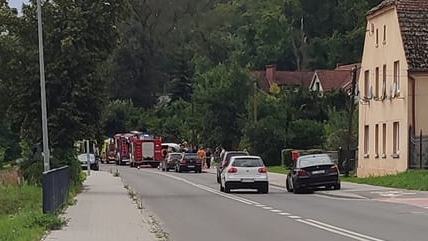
[275, 211]
[311, 222]
[337, 230]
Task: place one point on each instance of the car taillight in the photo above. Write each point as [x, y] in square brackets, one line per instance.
[262, 170]
[333, 169]
[184, 161]
[302, 172]
[232, 170]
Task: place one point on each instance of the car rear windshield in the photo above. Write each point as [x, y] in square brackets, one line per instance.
[247, 162]
[175, 156]
[232, 154]
[312, 161]
[190, 156]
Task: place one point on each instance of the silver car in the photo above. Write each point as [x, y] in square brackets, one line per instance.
[245, 172]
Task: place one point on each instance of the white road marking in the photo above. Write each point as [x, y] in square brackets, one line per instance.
[340, 231]
[311, 222]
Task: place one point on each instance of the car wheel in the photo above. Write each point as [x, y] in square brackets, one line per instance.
[226, 187]
[296, 190]
[287, 185]
[264, 188]
[337, 186]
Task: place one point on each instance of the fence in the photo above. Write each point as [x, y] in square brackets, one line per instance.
[418, 151]
[341, 160]
[56, 186]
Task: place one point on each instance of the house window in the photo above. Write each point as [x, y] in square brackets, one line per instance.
[377, 141]
[384, 140]
[377, 82]
[396, 139]
[384, 82]
[377, 37]
[384, 34]
[366, 141]
[397, 75]
[366, 83]
[317, 86]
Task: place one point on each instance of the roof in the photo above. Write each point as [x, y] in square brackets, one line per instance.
[412, 15]
[294, 78]
[334, 79]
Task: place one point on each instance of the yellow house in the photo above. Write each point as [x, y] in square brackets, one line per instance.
[393, 87]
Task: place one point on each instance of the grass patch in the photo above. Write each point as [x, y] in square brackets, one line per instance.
[278, 169]
[21, 216]
[411, 180]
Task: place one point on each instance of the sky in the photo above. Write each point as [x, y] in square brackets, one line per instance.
[17, 4]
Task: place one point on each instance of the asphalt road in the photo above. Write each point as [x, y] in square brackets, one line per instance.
[190, 207]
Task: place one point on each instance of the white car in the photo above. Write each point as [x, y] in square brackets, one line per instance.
[83, 158]
[245, 172]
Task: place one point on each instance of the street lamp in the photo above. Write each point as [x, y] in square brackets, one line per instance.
[46, 153]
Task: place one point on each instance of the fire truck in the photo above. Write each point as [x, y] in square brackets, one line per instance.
[145, 150]
[122, 144]
[108, 152]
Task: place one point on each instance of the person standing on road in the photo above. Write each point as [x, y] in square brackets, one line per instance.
[208, 158]
[202, 155]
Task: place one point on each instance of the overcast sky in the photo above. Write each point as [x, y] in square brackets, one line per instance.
[17, 4]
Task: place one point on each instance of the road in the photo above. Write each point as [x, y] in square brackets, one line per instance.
[190, 207]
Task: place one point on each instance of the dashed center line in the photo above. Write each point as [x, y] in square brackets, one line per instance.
[310, 222]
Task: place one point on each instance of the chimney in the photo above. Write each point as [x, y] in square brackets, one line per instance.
[271, 73]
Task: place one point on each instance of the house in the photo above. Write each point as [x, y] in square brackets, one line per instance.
[320, 80]
[270, 77]
[393, 86]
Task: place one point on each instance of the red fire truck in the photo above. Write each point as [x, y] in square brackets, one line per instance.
[123, 144]
[145, 150]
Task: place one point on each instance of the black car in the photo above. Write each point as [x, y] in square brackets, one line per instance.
[189, 162]
[224, 160]
[312, 172]
[171, 160]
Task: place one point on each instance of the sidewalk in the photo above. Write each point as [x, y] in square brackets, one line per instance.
[103, 211]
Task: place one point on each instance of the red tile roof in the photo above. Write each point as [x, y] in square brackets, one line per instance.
[412, 17]
[294, 78]
[334, 79]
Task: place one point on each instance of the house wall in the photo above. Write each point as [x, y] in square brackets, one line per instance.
[387, 111]
[421, 99]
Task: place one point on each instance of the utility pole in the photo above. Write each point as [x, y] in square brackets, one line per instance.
[46, 154]
[88, 158]
[351, 116]
[255, 101]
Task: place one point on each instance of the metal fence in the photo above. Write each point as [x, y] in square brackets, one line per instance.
[56, 186]
[341, 160]
[418, 151]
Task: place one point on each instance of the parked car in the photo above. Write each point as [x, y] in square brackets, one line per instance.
[245, 172]
[171, 160]
[94, 162]
[189, 162]
[312, 172]
[224, 160]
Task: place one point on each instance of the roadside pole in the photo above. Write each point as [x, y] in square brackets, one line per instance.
[46, 154]
[88, 158]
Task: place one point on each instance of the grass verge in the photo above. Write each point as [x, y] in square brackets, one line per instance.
[411, 180]
[278, 169]
[21, 215]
